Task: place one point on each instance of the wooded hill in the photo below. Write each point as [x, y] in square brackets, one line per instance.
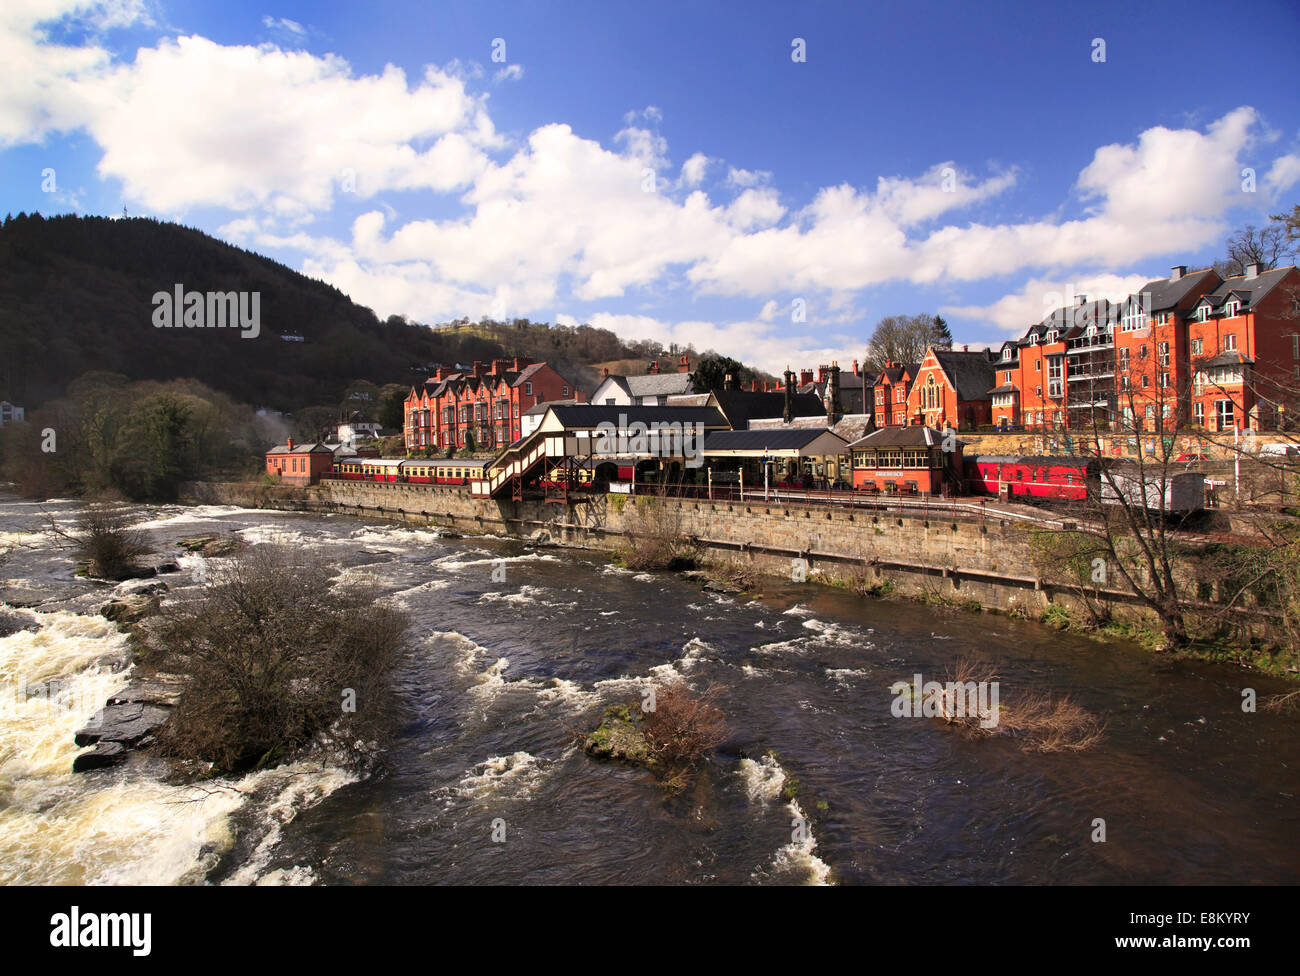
[76, 296]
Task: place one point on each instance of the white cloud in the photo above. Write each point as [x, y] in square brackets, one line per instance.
[1283, 174]
[693, 170]
[284, 25]
[511, 72]
[1014, 313]
[743, 178]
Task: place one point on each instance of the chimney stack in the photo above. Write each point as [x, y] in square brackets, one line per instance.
[1081, 299]
[805, 377]
[605, 373]
[833, 411]
[788, 415]
[1177, 271]
[290, 444]
[519, 364]
[684, 365]
[1252, 270]
[856, 371]
[653, 368]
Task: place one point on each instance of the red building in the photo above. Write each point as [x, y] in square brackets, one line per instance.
[951, 389]
[907, 460]
[484, 404]
[891, 388]
[299, 464]
[1192, 349]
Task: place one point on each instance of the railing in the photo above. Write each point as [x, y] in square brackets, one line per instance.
[930, 506]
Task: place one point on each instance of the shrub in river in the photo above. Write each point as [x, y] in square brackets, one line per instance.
[277, 657]
[104, 541]
[1040, 721]
[681, 730]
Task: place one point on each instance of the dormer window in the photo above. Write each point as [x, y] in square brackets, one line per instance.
[1033, 339]
[1051, 336]
[1232, 309]
[1092, 332]
[1006, 353]
[1203, 314]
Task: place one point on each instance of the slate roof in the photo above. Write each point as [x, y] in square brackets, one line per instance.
[1004, 388]
[914, 436]
[1230, 358]
[547, 404]
[1167, 293]
[315, 447]
[742, 406]
[658, 384]
[970, 372]
[590, 415]
[782, 439]
[1249, 290]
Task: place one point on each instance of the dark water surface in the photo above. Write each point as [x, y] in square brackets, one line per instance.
[502, 675]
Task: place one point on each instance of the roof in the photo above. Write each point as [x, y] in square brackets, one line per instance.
[313, 448]
[1230, 358]
[894, 374]
[1004, 388]
[784, 439]
[1166, 293]
[742, 406]
[970, 372]
[1249, 290]
[592, 415]
[1081, 315]
[547, 404]
[914, 436]
[658, 384]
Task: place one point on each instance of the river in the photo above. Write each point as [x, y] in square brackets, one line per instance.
[502, 676]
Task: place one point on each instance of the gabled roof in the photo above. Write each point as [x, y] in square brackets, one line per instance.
[547, 404]
[527, 373]
[915, 436]
[893, 375]
[1249, 290]
[1168, 293]
[591, 415]
[742, 406]
[969, 372]
[659, 384]
[315, 447]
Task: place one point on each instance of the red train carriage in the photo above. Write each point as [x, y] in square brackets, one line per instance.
[1049, 478]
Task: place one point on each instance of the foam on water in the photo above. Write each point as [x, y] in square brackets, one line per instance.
[515, 775]
[763, 780]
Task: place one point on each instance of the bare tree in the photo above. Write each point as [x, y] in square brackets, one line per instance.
[905, 338]
[1268, 246]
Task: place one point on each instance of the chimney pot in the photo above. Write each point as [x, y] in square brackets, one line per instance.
[684, 365]
[289, 444]
[653, 367]
[605, 373]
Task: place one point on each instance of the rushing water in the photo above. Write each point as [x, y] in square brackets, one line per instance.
[501, 676]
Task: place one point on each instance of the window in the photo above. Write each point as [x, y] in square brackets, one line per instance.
[1232, 309]
[1006, 353]
[564, 392]
[1051, 336]
[1142, 352]
[1196, 347]
[1146, 381]
[1230, 342]
[1033, 337]
[1164, 355]
[1007, 376]
[528, 388]
[1038, 391]
[1123, 359]
[1203, 314]
[1164, 381]
[1038, 365]
[1295, 346]
[1133, 317]
[1223, 414]
[1198, 413]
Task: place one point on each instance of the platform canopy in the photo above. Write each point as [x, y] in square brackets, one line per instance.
[787, 443]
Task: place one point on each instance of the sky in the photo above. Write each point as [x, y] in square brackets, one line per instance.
[766, 179]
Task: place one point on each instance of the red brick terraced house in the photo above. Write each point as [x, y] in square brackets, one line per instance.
[484, 403]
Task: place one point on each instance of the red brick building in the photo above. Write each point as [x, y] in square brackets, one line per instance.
[1189, 350]
[484, 403]
[892, 385]
[299, 464]
[951, 389]
[907, 460]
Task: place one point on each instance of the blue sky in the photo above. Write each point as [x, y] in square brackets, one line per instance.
[668, 170]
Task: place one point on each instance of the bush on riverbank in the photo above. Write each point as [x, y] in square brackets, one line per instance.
[655, 537]
[103, 541]
[277, 657]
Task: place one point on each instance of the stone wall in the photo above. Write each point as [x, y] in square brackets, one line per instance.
[944, 556]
